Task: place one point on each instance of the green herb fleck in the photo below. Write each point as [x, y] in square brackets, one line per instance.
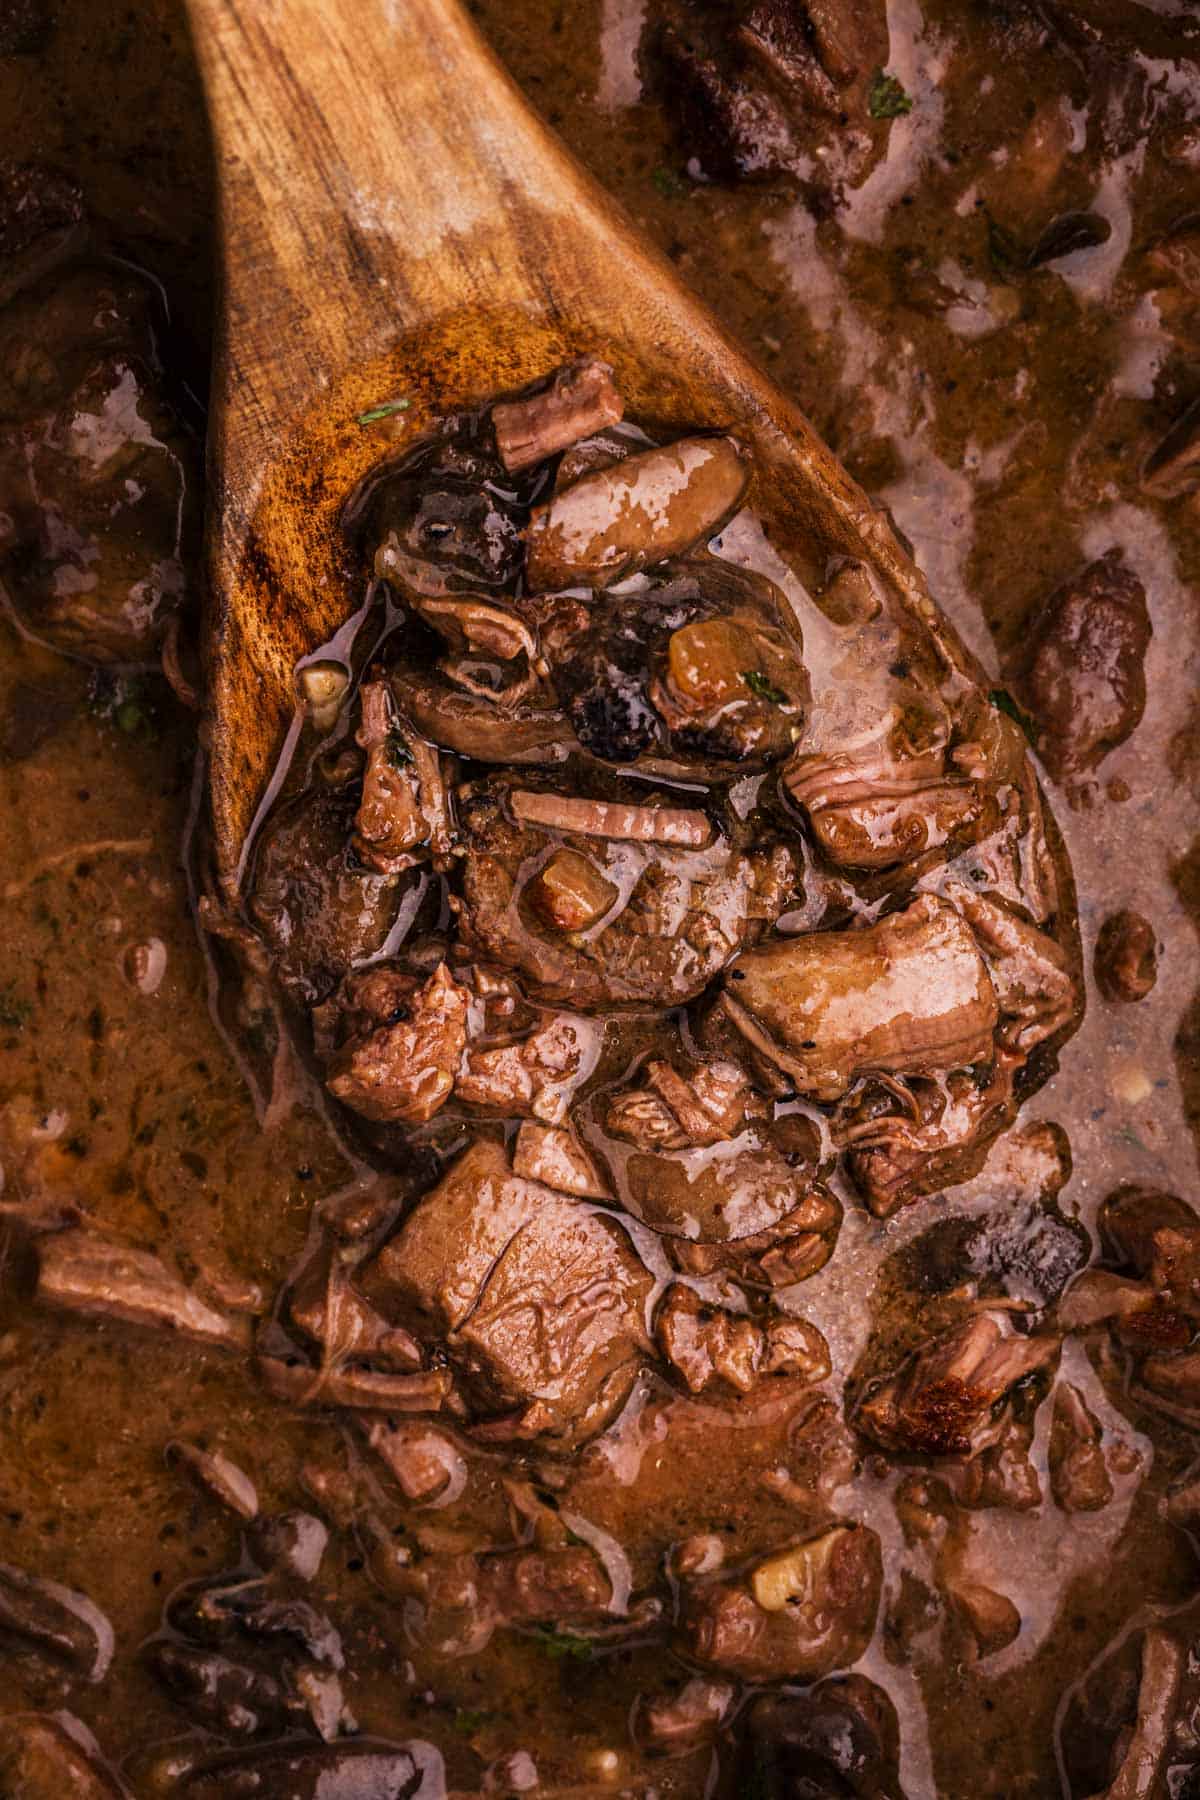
[1003, 701]
[373, 414]
[469, 1719]
[557, 1644]
[398, 752]
[669, 183]
[1004, 252]
[15, 1010]
[125, 701]
[761, 688]
[886, 99]
[1128, 1135]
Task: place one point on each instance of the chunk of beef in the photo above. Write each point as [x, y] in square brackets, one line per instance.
[703, 667]
[81, 1272]
[839, 1741]
[577, 400]
[682, 913]
[910, 995]
[707, 1104]
[645, 509]
[402, 813]
[1126, 961]
[538, 1299]
[1079, 1477]
[945, 1400]
[1032, 975]
[318, 909]
[1082, 675]
[554, 1156]
[798, 1614]
[55, 1622]
[100, 480]
[511, 725]
[536, 1074]
[47, 1758]
[359, 1769]
[403, 1044]
[709, 1346]
[327, 1306]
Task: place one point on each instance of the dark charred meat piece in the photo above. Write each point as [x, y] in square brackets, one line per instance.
[405, 1044]
[707, 1345]
[50, 1759]
[841, 1739]
[945, 1402]
[538, 1300]
[910, 995]
[796, 1615]
[81, 1272]
[579, 399]
[360, 1769]
[1126, 962]
[645, 509]
[318, 908]
[98, 477]
[1082, 676]
[702, 667]
[684, 912]
[55, 1622]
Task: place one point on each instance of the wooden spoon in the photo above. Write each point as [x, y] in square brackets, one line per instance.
[397, 224]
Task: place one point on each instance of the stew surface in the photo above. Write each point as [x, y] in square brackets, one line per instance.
[919, 1397]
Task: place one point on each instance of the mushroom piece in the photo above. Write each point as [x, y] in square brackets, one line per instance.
[217, 1475]
[684, 827]
[1126, 961]
[991, 1618]
[56, 1622]
[579, 399]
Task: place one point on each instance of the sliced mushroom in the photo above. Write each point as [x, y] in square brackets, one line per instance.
[579, 399]
[679, 826]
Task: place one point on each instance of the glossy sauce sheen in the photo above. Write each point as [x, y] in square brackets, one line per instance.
[1006, 406]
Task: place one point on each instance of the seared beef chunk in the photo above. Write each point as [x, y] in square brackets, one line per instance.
[98, 478]
[839, 1741]
[680, 914]
[947, 1400]
[538, 1300]
[1126, 957]
[81, 1272]
[701, 666]
[55, 1622]
[641, 510]
[709, 1346]
[796, 1614]
[316, 905]
[1082, 674]
[578, 399]
[363, 1769]
[50, 1759]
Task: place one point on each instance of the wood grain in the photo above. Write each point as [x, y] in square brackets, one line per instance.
[395, 221]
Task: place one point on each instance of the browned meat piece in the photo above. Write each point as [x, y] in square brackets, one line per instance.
[703, 667]
[683, 912]
[329, 1309]
[536, 1075]
[840, 1738]
[402, 815]
[645, 509]
[1034, 983]
[518, 723]
[945, 1401]
[423, 1461]
[1172, 468]
[319, 911]
[555, 1157]
[215, 1474]
[1157, 1236]
[55, 1622]
[567, 1582]
[83, 1273]
[798, 1245]
[795, 1615]
[708, 1345]
[539, 1301]
[351, 1770]
[910, 995]
[1144, 1751]
[1082, 675]
[991, 1618]
[48, 1759]
[570, 894]
[1079, 1477]
[447, 520]
[403, 1047]
[579, 399]
[673, 1111]
[99, 479]
[1126, 962]
[292, 1543]
[671, 1724]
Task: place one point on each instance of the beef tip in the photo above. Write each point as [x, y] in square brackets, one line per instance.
[1079, 1478]
[215, 1474]
[536, 1074]
[566, 1582]
[645, 509]
[990, 1617]
[291, 1543]
[100, 479]
[797, 1614]
[683, 912]
[906, 1139]
[319, 911]
[539, 1301]
[402, 814]
[707, 1104]
[945, 1401]
[910, 995]
[839, 1741]
[577, 400]
[360, 1769]
[555, 1157]
[80, 1272]
[1035, 985]
[447, 520]
[1082, 675]
[672, 1724]
[403, 1047]
[797, 1245]
[55, 1622]
[708, 1345]
[1126, 962]
[50, 1759]
[703, 666]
